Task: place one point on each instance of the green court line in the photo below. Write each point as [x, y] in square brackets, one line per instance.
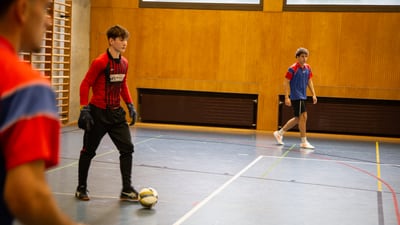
[276, 163]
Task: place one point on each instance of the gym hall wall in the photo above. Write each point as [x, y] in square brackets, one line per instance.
[353, 55]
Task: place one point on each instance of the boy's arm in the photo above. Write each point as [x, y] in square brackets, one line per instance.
[311, 87]
[34, 203]
[286, 85]
[125, 94]
[88, 81]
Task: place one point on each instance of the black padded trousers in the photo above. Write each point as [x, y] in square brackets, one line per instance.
[113, 122]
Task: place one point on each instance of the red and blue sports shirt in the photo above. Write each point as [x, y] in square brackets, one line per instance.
[299, 77]
[29, 122]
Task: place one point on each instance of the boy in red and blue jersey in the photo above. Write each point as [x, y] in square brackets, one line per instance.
[298, 78]
[29, 123]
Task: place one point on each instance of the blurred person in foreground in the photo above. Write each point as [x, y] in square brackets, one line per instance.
[29, 123]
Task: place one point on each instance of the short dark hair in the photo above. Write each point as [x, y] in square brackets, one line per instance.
[117, 31]
[4, 5]
[300, 51]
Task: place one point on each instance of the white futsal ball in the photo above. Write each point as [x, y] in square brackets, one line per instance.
[148, 197]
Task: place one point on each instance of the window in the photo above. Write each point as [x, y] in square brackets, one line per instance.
[343, 2]
[343, 5]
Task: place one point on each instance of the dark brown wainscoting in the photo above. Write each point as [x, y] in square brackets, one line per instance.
[348, 116]
[198, 108]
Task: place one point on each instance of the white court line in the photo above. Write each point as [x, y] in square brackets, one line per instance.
[332, 160]
[94, 196]
[76, 162]
[212, 195]
[103, 154]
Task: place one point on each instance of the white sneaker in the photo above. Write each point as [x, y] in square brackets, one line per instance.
[278, 138]
[306, 145]
[306, 151]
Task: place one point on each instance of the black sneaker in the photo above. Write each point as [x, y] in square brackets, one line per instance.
[81, 193]
[129, 195]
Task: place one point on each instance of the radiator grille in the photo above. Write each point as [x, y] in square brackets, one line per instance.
[349, 116]
[198, 108]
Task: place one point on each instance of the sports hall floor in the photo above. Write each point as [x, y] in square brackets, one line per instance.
[213, 176]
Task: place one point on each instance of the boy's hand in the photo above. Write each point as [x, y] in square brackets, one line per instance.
[132, 113]
[314, 99]
[288, 102]
[85, 120]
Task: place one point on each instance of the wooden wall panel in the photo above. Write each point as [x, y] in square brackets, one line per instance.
[352, 54]
[325, 47]
[355, 53]
[384, 59]
[232, 46]
[178, 47]
[114, 4]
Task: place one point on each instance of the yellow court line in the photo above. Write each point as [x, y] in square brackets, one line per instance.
[378, 167]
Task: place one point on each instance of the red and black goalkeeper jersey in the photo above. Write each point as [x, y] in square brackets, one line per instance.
[107, 78]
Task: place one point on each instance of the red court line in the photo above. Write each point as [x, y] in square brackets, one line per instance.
[396, 206]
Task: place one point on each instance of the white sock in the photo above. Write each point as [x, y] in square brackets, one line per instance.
[303, 139]
[281, 132]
